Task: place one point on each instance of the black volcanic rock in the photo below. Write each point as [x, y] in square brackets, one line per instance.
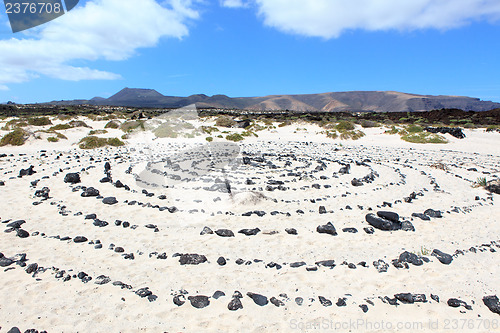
[327, 229]
[455, 131]
[493, 303]
[382, 223]
[199, 302]
[258, 299]
[444, 258]
[224, 233]
[72, 178]
[192, 259]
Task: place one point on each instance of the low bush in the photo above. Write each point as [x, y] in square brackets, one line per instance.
[345, 125]
[39, 121]
[52, 139]
[234, 137]
[15, 138]
[91, 142]
[423, 137]
[112, 125]
[225, 121]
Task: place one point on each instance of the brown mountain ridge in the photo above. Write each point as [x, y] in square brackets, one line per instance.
[354, 101]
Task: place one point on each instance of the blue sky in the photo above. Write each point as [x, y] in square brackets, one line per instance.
[256, 47]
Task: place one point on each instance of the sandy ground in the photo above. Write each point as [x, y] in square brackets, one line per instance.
[299, 157]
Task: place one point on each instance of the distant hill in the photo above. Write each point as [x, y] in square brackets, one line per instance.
[377, 101]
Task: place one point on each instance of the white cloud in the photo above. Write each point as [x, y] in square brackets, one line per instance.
[233, 3]
[329, 18]
[100, 30]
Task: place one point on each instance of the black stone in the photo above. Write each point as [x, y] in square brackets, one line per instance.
[249, 232]
[221, 261]
[109, 201]
[433, 213]
[31, 268]
[258, 299]
[391, 216]
[276, 302]
[325, 302]
[199, 302]
[235, 304]
[72, 178]
[291, 231]
[218, 294]
[22, 233]
[179, 300]
[144, 292]
[192, 259]
[297, 264]
[493, 303]
[80, 239]
[90, 192]
[444, 258]
[382, 223]
[421, 216]
[410, 258]
[224, 233]
[327, 229]
[341, 302]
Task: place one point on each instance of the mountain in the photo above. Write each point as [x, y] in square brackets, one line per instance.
[375, 101]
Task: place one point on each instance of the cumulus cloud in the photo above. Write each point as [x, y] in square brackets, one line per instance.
[100, 30]
[329, 18]
[233, 3]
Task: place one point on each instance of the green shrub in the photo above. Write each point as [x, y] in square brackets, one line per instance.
[331, 134]
[209, 129]
[393, 130]
[220, 136]
[481, 181]
[345, 125]
[414, 129]
[369, 123]
[234, 137]
[99, 131]
[78, 123]
[52, 139]
[15, 138]
[131, 125]
[39, 121]
[423, 137]
[209, 139]
[91, 142]
[60, 127]
[469, 125]
[225, 121]
[60, 136]
[15, 123]
[112, 124]
[353, 135]
[115, 142]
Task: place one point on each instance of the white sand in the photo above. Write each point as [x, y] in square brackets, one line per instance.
[47, 303]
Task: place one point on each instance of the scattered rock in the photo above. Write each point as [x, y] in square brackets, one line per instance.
[249, 232]
[109, 201]
[224, 233]
[72, 178]
[206, 230]
[327, 229]
[192, 259]
[80, 239]
[235, 304]
[444, 258]
[493, 303]
[258, 299]
[199, 302]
